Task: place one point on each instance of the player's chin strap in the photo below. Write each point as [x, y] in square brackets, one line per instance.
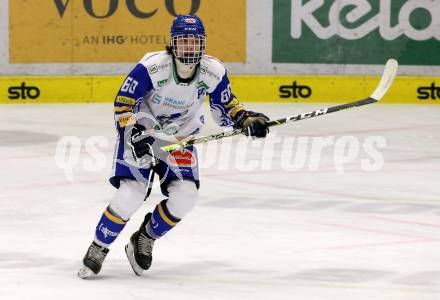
[385, 83]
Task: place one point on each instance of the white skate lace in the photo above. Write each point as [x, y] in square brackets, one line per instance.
[96, 254]
[145, 245]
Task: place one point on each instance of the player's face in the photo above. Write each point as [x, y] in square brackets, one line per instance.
[188, 46]
[189, 49]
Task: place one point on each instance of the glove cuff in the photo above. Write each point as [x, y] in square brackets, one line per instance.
[244, 114]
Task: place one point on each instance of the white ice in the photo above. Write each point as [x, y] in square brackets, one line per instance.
[317, 232]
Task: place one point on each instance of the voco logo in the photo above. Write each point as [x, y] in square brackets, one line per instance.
[132, 7]
[429, 92]
[23, 92]
[295, 91]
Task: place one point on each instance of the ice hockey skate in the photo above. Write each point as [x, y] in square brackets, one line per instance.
[140, 249]
[92, 261]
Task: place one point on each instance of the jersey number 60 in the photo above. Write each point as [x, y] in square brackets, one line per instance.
[226, 94]
[129, 85]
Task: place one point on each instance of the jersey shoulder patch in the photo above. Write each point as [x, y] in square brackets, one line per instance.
[156, 62]
[159, 66]
[212, 70]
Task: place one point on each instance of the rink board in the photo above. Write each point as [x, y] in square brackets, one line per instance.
[252, 88]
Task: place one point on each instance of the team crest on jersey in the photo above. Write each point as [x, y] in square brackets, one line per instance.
[202, 87]
[181, 158]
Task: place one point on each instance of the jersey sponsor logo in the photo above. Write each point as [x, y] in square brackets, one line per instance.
[161, 83]
[205, 70]
[181, 158]
[164, 66]
[169, 129]
[122, 109]
[125, 100]
[295, 91]
[126, 120]
[153, 69]
[431, 92]
[23, 92]
[235, 110]
[233, 103]
[166, 127]
[129, 85]
[164, 119]
[157, 99]
[173, 103]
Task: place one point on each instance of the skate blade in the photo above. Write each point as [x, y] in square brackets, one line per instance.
[85, 273]
[130, 255]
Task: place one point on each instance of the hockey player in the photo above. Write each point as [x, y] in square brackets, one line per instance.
[160, 101]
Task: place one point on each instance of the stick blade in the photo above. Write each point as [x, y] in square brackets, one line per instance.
[387, 79]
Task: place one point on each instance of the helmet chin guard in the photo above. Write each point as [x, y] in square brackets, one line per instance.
[188, 39]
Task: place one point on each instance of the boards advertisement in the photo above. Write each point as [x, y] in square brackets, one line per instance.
[356, 31]
[116, 31]
[269, 89]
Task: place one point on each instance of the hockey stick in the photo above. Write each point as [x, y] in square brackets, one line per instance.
[385, 83]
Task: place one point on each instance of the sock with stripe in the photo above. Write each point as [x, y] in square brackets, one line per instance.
[161, 221]
[108, 228]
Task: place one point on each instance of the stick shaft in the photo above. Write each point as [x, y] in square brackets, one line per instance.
[385, 83]
[299, 117]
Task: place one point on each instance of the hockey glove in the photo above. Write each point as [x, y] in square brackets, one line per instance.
[141, 144]
[255, 124]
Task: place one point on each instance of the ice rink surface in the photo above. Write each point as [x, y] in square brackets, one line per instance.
[314, 232]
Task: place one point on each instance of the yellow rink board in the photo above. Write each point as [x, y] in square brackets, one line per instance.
[300, 89]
